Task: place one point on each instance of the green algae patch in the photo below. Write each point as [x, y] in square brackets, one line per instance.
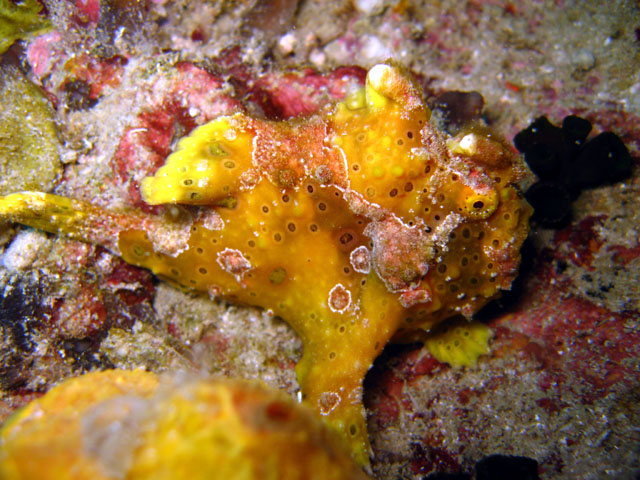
[29, 146]
[20, 20]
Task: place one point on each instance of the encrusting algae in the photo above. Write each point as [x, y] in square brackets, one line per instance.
[135, 425]
[20, 20]
[29, 145]
[357, 226]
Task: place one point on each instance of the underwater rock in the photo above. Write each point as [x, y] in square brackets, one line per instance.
[29, 146]
[77, 95]
[458, 109]
[22, 320]
[20, 20]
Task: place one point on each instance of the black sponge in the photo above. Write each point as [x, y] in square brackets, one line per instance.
[506, 467]
[566, 163]
[551, 204]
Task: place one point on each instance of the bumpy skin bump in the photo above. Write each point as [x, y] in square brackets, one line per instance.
[355, 225]
[132, 425]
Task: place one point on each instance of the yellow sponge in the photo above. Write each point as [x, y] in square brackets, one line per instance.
[134, 425]
[460, 342]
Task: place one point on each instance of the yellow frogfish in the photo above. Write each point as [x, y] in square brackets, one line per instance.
[357, 225]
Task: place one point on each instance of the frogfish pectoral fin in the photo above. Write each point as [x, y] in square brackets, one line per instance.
[73, 218]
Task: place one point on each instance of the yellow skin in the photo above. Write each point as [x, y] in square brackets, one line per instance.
[133, 425]
[355, 225]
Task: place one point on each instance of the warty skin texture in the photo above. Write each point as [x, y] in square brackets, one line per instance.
[358, 225]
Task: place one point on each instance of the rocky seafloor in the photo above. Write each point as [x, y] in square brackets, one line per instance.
[121, 80]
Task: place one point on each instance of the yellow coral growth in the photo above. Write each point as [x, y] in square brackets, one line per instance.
[46, 439]
[354, 226]
[459, 343]
[131, 425]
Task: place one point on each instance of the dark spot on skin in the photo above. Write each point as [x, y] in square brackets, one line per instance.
[346, 238]
[278, 275]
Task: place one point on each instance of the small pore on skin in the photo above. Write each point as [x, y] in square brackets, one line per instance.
[278, 275]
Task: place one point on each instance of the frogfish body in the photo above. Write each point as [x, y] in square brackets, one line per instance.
[355, 225]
